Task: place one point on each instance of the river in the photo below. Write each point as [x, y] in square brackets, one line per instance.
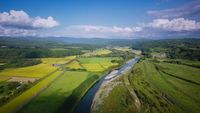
[84, 105]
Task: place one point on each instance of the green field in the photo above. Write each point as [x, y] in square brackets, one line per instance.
[55, 95]
[160, 92]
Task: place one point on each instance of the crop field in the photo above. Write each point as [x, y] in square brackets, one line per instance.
[74, 65]
[191, 63]
[39, 70]
[56, 93]
[163, 87]
[96, 64]
[4, 79]
[57, 60]
[184, 62]
[98, 52]
[187, 72]
[25, 97]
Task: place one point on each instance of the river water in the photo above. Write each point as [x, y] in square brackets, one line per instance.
[84, 105]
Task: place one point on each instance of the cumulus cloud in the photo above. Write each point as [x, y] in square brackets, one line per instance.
[177, 25]
[44, 23]
[20, 19]
[101, 31]
[19, 22]
[188, 10]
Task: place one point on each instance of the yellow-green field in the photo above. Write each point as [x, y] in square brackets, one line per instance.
[57, 60]
[74, 65]
[93, 67]
[4, 79]
[97, 52]
[122, 49]
[22, 99]
[96, 64]
[137, 52]
[39, 70]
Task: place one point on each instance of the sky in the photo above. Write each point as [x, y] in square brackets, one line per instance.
[100, 18]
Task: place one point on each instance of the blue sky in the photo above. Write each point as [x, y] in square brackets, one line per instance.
[100, 18]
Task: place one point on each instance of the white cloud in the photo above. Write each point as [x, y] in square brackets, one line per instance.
[101, 31]
[16, 23]
[39, 22]
[178, 24]
[20, 19]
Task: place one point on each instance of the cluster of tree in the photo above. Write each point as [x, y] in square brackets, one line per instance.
[32, 47]
[10, 89]
[174, 48]
[183, 53]
[83, 69]
[20, 63]
[8, 53]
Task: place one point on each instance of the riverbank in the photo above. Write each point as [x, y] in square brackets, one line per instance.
[110, 84]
